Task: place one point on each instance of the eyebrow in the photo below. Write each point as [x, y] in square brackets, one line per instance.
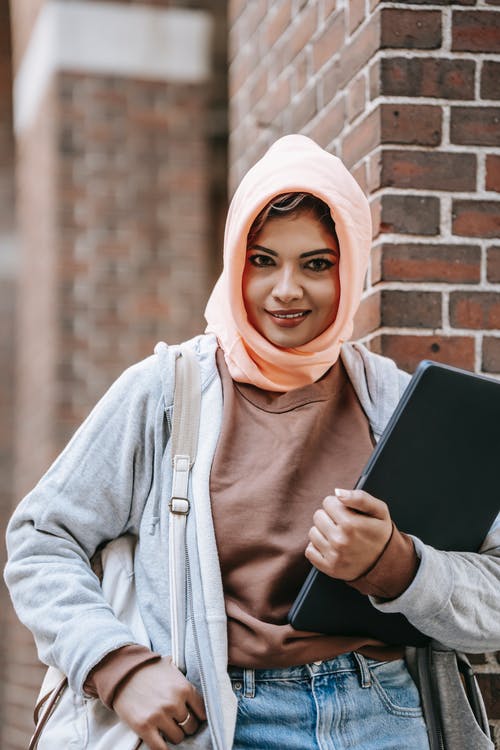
[321, 250]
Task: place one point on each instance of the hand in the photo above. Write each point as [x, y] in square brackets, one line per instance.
[350, 533]
[155, 700]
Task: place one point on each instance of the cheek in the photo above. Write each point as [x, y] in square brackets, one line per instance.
[250, 292]
[329, 297]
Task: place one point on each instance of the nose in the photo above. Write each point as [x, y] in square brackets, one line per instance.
[287, 287]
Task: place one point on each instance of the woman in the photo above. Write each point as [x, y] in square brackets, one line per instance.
[289, 412]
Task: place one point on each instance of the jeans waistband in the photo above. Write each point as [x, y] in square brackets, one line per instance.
[351, 662]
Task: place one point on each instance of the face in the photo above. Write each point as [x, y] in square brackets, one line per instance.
[291, 286]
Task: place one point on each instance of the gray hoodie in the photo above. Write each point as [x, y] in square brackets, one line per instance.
[115, 477]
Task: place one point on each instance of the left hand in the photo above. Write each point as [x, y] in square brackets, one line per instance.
[350, 532]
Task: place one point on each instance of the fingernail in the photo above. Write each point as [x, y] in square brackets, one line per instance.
[342, 493]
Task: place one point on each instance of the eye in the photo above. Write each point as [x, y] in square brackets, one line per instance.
[260, 260]
[319, 264]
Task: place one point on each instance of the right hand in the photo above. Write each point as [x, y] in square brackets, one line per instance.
[155, 700]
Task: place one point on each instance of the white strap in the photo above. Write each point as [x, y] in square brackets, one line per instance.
[185, 425]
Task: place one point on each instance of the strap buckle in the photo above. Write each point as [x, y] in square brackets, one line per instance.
[179, 505]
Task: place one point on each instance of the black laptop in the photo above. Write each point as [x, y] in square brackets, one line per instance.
[437, 466]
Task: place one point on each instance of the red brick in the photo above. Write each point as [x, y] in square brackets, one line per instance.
[304, 109]
[493, 264]
[329, 42]
[410, 29]
[407, 351]
[258, 89]
[328, 124]
[438, 2]
[240, 70]
[300, 72]
[475, 31]
[424, 170]
[330, 82]
[493, 172]
[376, 264]
[410, 309]
[248, 23]
[375, 79]
[410, 214]
[434, 77]
[275, 101]
[360, 50]
[277, 21]
[476, 218]
[491, 354]
[329, 6]
[301, 33]
[477, 658]
[490, 688]
[475, 126]
[459, 264]
[362, 139]
[359, 174]
[475, 310]
[490, 80]
[374, 170]
[235, 8]
[367, 318]
[356, 98]
[356, 14]
[415, 124]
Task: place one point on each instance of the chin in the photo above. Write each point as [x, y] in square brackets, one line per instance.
[286, 342]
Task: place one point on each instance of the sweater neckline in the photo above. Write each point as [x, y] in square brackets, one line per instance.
[324, 389]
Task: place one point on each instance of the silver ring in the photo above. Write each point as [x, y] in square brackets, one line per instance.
[182, 724]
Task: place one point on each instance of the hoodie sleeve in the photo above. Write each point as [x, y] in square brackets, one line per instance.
[455, 596]
[94, 492]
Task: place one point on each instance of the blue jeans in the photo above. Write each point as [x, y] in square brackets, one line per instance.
[347, 702]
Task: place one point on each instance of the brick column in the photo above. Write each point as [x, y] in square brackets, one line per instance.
[409, 99]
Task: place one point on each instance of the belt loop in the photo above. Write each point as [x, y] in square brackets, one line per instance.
[249, 683]
[365, 678]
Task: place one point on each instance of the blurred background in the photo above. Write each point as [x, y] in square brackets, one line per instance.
[124, 128]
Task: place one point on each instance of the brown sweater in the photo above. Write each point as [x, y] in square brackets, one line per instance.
[278, 456]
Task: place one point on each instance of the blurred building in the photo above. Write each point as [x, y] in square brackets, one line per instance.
[119, 120]
[119, 117]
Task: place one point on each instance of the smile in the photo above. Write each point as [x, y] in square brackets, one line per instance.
[289, 315]
[288, 318]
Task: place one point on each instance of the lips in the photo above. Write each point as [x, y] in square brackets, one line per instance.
[288, 318]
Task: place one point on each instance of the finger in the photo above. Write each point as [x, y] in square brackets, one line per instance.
[324, 519]
[315, 558]
[156, 741]
[318, 540]
[196, 704]
[363, 502]
[189, 724]
[170, 731]
[338, 513]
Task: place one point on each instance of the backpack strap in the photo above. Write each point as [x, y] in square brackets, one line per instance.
[185, 426]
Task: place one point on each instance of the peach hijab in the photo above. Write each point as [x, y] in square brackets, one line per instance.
[294, 163]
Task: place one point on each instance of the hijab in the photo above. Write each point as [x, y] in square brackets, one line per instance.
[293, 163]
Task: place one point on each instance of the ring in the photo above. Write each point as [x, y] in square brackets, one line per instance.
[182, 724]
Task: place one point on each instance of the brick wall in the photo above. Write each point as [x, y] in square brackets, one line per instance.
[408, 96]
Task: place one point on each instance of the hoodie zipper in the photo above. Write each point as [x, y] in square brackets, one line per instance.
[189, 596]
